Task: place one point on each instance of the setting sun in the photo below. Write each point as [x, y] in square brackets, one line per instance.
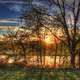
[47, 40]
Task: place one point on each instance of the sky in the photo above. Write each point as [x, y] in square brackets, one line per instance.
[10, 11]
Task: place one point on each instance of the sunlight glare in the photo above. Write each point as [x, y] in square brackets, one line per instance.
[47, 40]
[10, 60]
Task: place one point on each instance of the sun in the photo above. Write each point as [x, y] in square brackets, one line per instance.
[47, 40]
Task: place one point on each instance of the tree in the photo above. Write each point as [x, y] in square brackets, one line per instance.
[18, 41]
[34, 20]
[66, 16]
[67, 13]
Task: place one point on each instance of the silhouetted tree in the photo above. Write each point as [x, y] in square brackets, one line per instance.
[67, 13]
[66, 16]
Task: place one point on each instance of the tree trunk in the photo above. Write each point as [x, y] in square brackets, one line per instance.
[44, 54]
[79, 59]
[72, 60]
[72, 56]
[55, 56]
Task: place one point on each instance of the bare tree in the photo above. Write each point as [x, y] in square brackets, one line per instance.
[18, 41]
[68, 13]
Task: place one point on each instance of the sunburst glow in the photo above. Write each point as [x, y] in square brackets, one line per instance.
[47, 40]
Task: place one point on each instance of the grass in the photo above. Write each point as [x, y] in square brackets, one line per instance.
[18, 73]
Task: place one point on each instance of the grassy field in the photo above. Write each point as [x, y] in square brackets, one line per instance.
[18, 73]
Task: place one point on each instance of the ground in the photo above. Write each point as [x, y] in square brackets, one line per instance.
[18, 73]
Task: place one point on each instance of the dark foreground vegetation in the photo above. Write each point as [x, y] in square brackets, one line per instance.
[19, 73]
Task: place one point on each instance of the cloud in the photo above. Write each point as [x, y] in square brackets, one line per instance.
[15, 7]
[8, 21]
[12, 1]
[38, 4]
